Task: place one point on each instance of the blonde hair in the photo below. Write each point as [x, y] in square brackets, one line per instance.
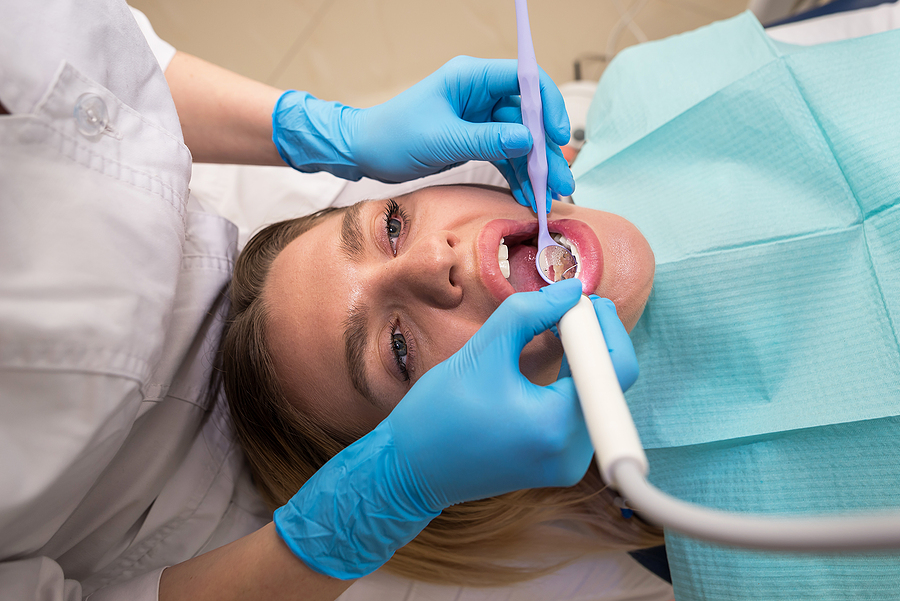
[480, 543]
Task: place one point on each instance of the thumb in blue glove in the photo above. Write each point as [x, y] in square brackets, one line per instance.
[471, 427]
[461, 112]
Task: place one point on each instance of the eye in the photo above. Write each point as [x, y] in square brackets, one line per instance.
[394, 217]
[400, 352]
[393, 229]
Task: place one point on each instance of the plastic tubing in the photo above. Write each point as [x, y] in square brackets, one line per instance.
[623, 465]
[839, 532]
[607, 415]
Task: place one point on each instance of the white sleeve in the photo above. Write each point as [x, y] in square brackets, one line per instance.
[37, 578]
[142, 588]
[41, 579]
[162, 50]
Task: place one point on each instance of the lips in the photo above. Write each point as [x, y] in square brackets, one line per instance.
[513, 232]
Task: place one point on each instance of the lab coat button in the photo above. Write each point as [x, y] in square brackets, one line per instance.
[91, 116]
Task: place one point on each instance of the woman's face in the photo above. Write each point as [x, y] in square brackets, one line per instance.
[371, 298]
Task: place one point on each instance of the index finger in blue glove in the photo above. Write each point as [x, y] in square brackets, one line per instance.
[559, 176]
[499, 79]
[509, 110]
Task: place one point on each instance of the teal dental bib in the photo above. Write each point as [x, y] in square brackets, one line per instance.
[766, 180]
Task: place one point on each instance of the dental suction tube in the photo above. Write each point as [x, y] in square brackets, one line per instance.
[623, 465]
[845, 532]
[608, 418]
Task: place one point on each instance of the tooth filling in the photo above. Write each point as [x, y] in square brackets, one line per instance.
[563, 241]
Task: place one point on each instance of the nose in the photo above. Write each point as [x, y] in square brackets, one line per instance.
[430, 270]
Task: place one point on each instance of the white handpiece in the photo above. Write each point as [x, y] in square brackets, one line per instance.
[607, 415]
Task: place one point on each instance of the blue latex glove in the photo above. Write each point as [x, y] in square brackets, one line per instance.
[467, 109]
[471, 427]
[559, 177]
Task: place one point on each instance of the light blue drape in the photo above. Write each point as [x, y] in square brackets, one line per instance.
[767, 185]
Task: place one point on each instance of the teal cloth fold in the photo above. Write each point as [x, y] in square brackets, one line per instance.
[767, 185]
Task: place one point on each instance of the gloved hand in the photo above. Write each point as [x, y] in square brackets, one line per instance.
[471, 427]
[618, 343]
[559, 176]
[467, 109]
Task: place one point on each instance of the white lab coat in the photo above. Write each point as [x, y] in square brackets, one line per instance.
[113, 464]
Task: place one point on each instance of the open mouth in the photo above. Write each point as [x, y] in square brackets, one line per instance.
[516, 259]
[507, 250]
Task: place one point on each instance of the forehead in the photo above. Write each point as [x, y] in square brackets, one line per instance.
[307, 292]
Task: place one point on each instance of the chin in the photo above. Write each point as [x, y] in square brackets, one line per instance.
[628, 279]
[542, 357]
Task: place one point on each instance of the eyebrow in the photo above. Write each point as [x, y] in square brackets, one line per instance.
[351, 238]
[355, 336]
[356, 331]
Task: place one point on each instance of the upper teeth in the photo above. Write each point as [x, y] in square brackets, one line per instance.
[503, 254]
[503, 258]
[563, 241]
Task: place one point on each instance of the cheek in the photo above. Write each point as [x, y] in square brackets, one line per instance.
[446, 341]
[445, 335]
[435, 349]
[342, 413]
[539, 361]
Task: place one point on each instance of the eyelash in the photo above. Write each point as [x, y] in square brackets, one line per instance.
[393, 211]
[401, 364]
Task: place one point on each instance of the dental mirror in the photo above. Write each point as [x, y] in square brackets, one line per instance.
[554, 262]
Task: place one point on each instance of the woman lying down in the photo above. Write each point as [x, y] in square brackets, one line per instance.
[396, 286]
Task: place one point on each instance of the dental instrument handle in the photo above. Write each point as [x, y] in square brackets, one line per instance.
[553, 261]
[533, 118]
[609, 422]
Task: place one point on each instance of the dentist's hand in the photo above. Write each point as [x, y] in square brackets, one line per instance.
[559, 176]
[470, 428]
[466, 110]
[491, 430]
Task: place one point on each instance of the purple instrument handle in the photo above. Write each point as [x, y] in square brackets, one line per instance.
[533, 118]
